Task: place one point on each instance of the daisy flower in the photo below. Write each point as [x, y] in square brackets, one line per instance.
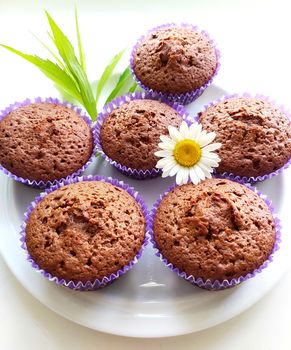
[188, 152]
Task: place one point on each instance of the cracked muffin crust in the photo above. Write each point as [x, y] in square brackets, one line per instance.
[175, 60]
[255, 135]
[85, 231]
[216, 230]
[130, 133]
[44, 141]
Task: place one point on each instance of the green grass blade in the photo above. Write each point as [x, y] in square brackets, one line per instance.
[80, 45]
[52, 71]
[133, 87]
[65, 96]
[64, 46]
[60, 63]
[51, 37]
[123, 82]
[107, 73]
[66, 51]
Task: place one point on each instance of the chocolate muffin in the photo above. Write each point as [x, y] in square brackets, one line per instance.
[44, 141]
[175, 60]
[217, 230]
[131, 133]
[85, 231]
[255, 135]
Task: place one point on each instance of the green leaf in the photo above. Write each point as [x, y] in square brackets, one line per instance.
[124, 80]
[60, 63]
[80, 45]
[69, 73]
[107, 73]
[52, 71]
[66, 51]
[133, 87]
[51, 37]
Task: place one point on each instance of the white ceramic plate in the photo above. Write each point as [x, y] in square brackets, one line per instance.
[150, 300]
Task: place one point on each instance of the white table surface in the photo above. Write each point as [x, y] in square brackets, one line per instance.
[254, 38]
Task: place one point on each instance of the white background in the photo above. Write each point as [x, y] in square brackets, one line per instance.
[254, 39]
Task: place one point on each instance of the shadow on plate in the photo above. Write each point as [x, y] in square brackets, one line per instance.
[23, 195]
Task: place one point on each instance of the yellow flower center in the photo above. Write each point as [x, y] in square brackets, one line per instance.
[187, 152]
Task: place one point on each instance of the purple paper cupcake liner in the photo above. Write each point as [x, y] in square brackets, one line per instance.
[246, 179]
[135, 173]
[181, 98]
[41, 183]
[98, 283]
[208, 284]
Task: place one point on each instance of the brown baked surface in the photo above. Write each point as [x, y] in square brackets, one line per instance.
[175, 60]
[44, 141]
[85, 231]
[215, 230]
[255, 135]
[130, 134]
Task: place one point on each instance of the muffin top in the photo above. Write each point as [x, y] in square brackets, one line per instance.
[255, 135]
[215, 230]
[44, 141]
[175, 60]
[84, 231]
[131, 133]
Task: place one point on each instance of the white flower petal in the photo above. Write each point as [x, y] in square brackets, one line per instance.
[201, 134]
[194, 177]
[209, 162]
[170, 170]
[169, 165]
[163, 153]
[174, 133]
[210, 156]
[199, 172]
[184, 175]
[167, 139]
[206, 139]
[212, 147]
[184, 130]
[164, 161]
[166, 173]
[180, 177]
[206, 170]
[174, 170]
[194, 130]
[166, 145]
